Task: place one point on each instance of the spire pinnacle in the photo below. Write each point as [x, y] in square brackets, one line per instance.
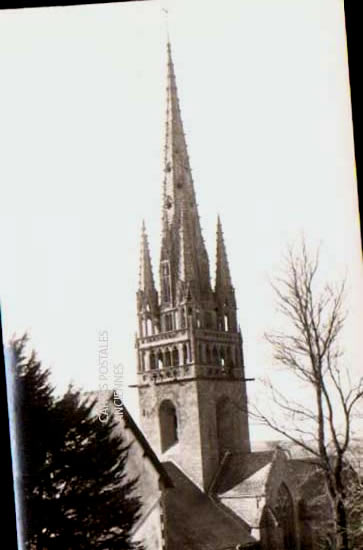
[223, 276]
[146, 278]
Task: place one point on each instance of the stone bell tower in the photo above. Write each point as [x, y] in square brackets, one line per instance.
[191, 379]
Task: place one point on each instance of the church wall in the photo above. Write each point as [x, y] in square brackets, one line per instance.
[279, 475]
[149, 529]
[315, 510]
[148, 488]
[139, 466]
[197, 451]
[150, 532]
[234, 426]
[247, 508]
[187, 451]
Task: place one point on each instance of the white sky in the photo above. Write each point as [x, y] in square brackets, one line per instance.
[264, 94]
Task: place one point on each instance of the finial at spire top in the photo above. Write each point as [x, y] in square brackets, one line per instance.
[166, 14]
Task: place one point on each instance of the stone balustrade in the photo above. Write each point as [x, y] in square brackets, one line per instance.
[164, 337]
[188, 371]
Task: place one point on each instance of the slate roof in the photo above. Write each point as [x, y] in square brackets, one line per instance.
[239, 467]
[129, 423]
[195, 521]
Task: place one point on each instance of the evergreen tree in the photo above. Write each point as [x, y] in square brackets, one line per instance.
[75, 491]
[33, 407]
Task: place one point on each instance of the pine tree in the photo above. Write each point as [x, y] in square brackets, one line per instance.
[33, 407]
[76, 494]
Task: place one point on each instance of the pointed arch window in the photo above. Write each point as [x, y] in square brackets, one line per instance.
[208, 355]
[142, 361]
[208, 319]
[168, 424]
[229, 360]
[148, 326]
[167, 358]
[160, 360]
[226, 322]
[198, 318]
[165, 281]
[152, 361]
[168, 322]
[284, 511]
[185, 354]
[200, 353]
[175, 357]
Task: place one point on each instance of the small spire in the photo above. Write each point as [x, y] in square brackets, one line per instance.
[146, 278]
[223, 276]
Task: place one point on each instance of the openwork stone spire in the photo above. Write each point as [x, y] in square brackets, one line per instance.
[186, 271]
[180, 212]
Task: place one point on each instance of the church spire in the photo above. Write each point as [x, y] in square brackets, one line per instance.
[223, 276]
[179, 202]
[189, 349]
[146, 278]
[186, 266]
[178, 182]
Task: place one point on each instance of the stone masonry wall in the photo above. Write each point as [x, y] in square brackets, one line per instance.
[232, 421]
[187, 452]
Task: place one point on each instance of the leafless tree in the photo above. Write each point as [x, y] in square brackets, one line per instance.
[309, 349]
[354, 496]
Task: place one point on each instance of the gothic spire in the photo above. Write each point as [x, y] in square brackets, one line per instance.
[178, 182]
[146, 278]
[186, 266]
[223, 276]
[179, 196]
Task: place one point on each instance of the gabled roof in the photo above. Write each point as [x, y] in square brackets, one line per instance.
[241, 467]
[129, 423]
[194, 521]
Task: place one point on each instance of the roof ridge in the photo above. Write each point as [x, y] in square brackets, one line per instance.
[130, 423]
